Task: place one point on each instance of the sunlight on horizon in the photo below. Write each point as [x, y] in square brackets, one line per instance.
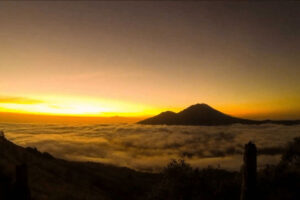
[54, 105]
[75, 106]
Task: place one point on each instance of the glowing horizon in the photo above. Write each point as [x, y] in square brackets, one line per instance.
[74, 106]
[91, 107]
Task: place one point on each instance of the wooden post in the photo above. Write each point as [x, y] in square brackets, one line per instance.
[248, 190]
[2, 136]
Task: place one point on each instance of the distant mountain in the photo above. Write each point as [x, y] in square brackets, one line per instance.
[203, 114]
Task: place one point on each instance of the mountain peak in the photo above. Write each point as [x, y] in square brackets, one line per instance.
[197, 114]
[199, 106]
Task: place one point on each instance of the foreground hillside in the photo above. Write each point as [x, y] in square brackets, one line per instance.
[51, 178]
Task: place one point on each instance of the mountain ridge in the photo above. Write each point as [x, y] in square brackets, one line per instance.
[203, 114]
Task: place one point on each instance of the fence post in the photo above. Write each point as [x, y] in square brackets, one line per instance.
[248, 190]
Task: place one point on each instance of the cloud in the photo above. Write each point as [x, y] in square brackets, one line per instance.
[19, 100]
[150, 148]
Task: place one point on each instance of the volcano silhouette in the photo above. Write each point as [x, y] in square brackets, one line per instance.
[203, 114]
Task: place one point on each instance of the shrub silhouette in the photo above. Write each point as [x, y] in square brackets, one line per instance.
[282, 181]
[179, 181]
[291, 156]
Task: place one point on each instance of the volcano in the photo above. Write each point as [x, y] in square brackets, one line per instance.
[203, 114]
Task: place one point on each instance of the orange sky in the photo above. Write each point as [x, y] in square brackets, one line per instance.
[137, 59]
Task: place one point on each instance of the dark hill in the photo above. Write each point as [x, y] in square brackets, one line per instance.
[52, 178]
[203, 114]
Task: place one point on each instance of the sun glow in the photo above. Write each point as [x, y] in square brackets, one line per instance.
[78, 106]
[62, 105]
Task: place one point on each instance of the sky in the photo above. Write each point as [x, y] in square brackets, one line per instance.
[136, 59]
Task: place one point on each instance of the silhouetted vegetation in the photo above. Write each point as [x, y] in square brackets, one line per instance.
[180, 181]
[278, 182]
[282, 181]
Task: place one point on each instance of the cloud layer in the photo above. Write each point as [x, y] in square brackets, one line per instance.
[146, 147]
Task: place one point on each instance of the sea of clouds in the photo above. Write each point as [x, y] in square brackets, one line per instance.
[149, 148]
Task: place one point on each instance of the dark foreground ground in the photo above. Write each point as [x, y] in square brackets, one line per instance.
[52, 178]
